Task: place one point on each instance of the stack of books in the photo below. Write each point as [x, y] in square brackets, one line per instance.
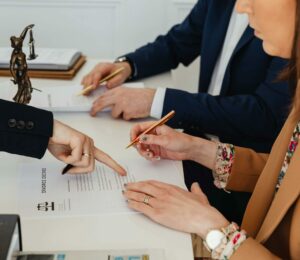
[50, 63]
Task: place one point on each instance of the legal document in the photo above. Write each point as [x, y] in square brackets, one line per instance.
[45, 192]
[61, 98]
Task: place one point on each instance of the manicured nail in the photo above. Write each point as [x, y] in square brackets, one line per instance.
[144, 138]
[92, 113]
[196, 183]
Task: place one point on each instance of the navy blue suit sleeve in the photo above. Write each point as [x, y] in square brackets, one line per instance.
[181, 44]
[244, 116]
[24, 130]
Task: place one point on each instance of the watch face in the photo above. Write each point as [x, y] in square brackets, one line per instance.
[122, 59]
[214, 238]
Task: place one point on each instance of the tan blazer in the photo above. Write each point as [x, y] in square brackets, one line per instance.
[271, 219]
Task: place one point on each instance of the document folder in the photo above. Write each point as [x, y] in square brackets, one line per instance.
[51, 74]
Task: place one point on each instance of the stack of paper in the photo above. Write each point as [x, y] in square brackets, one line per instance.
[48, 58]
[61, 98]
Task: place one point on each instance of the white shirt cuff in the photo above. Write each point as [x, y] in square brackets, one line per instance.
[158, 103]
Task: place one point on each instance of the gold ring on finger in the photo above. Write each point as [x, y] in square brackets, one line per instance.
[146, 199]
[86, 155]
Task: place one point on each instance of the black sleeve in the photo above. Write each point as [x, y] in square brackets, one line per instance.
[181, 44]
[24, 130]
[233, 116]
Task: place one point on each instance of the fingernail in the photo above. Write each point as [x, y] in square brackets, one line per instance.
[92, 114]
[144, 138]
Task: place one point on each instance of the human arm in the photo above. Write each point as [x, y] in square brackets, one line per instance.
[231, 171]
[251, 249]
[246, 169]
[231, 117]
[29, 131]
[102, 70]
[77, 149]
[24, 130]
[165, 203]
[181, 44]
[128, 103]
[191, 212]
[166, 143]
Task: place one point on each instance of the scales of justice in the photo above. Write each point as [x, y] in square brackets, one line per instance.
[18, 65]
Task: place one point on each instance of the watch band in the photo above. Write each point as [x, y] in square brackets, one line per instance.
[222, 243]
[132, 66]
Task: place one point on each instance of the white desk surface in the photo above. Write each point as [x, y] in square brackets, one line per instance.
[98, 232]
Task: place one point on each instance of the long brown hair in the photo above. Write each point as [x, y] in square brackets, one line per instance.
[292, 72]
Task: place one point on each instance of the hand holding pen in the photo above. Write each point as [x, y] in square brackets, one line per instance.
[151, 127]
[162, 142]
[109, 74]
[151, 139]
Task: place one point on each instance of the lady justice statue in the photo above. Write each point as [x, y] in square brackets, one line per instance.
[19, 68]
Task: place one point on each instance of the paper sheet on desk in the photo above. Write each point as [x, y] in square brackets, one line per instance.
[44, 192]
[61, 98]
